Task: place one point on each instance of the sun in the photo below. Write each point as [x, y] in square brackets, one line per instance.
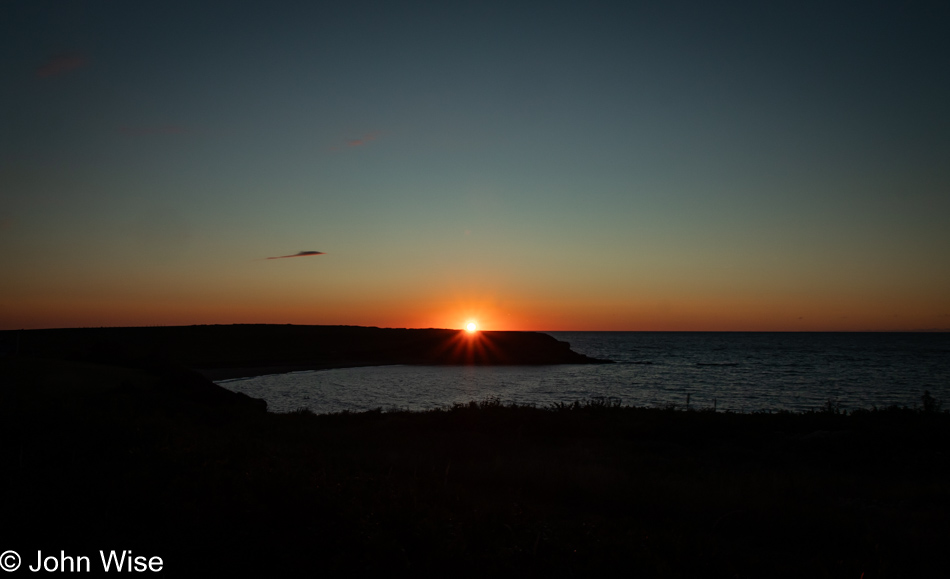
[471, 327]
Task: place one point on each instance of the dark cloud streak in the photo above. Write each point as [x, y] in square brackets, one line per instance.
[300, 254]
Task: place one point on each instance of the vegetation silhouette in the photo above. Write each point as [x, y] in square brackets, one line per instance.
[147, 458]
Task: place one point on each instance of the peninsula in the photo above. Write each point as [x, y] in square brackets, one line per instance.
[230, 351]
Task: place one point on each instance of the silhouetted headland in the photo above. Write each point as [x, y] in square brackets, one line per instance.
[230, 351]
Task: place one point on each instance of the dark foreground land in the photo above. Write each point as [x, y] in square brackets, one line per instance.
[231, 351]
[159, 461]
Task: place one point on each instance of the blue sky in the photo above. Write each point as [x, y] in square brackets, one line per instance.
[541, 165]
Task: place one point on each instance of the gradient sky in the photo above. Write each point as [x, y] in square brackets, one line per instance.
[532, 165]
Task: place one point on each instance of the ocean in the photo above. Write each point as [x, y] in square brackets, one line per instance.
[728, 371]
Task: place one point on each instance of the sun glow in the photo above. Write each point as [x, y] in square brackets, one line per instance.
[471, 327]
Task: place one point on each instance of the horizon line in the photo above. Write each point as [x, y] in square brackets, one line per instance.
[880, 331]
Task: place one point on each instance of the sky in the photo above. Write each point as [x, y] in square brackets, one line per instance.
[734, 166]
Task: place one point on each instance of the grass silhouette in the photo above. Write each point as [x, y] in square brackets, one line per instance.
[105, 457]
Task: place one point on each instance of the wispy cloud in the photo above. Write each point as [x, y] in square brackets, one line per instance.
[60, 64]
[299, 254]
[131, 131]
[364, 140]
[358, 142]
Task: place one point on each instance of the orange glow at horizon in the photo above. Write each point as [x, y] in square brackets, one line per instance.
[502, 311]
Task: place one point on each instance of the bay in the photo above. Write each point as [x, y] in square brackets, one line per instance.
[734, 371]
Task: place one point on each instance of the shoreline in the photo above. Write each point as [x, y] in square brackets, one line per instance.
[158, 459]
[235, 373]
[241, 350]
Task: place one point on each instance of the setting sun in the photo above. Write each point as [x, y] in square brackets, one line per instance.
[471, 326]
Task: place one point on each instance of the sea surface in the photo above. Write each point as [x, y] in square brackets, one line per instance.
[742, 372]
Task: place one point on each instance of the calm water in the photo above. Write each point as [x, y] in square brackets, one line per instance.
[733, 371]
